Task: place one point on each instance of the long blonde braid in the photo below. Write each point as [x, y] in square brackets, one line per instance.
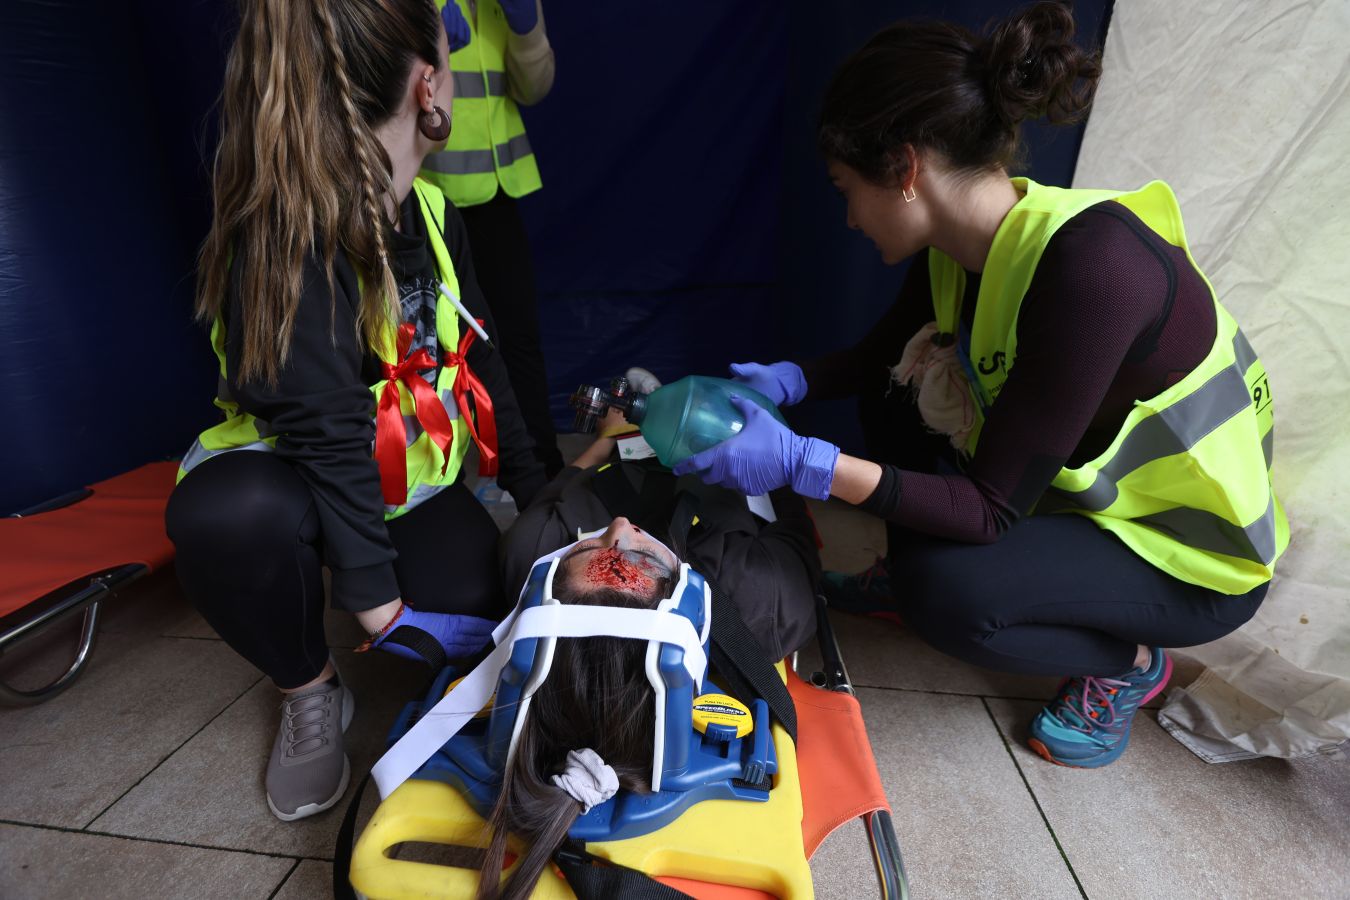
[368, 150]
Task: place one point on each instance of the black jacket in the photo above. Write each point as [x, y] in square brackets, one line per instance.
[770, 570]
[322, 406]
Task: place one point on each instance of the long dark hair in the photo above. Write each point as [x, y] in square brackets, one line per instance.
[299, 166]
[938, 86]
[595, 696]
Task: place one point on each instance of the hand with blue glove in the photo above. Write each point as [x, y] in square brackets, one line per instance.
[434, 638]
[456, 26]
[521, 15]
[766, 455]
[782, 382]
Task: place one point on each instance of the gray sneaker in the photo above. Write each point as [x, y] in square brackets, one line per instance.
[308, 770]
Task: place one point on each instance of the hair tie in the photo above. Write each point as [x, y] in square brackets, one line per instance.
[587, 779]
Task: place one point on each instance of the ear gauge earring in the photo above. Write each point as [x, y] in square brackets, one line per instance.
[434, 125]
[909, 194]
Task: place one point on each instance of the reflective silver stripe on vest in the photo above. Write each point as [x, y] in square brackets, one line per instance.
[478, 162]
[471, 85]
[516, 148]
[1174, 430]
[460, 162]
[197, 454]
[1205, 531]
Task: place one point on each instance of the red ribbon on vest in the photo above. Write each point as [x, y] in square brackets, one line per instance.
[391, 435]
[484, 433]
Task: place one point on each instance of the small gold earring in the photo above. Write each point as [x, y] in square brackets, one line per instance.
[909, 194]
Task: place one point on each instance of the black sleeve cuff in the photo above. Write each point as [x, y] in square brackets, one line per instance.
[884, 501]
[356, 590]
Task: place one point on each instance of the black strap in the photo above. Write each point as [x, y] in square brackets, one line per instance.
[342, 851]
[740, 661]
[423, 643]
[607, 880]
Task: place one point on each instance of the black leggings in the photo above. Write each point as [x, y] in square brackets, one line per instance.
[1055, 596]
[249, 557]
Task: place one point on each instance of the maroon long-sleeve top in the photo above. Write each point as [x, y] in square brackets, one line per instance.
[1114, 314]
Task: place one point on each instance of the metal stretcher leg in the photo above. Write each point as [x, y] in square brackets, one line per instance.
[47, 611]
[880, 831]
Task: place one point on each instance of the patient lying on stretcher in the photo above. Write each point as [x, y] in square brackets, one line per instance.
[590, 725]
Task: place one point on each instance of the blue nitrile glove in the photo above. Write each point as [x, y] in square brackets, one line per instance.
[433, 638]
[782, 382]
[521, 15]
[764, 456]
[456, 26]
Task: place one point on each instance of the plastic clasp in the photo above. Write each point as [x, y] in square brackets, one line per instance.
[757, 765]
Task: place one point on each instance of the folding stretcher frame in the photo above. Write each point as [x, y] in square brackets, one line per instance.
[830, 780]
[70, 553]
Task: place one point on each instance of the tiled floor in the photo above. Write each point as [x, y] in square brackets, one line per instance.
[144, 780]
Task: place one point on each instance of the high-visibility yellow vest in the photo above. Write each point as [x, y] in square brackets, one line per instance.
[487, 143]
[1186, 482]
[242, 431]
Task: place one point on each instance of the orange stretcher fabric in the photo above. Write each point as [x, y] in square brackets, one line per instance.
[121, 523]
[839, 777]
[840, 781]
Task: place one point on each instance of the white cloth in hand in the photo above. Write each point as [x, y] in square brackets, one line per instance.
[942, 390]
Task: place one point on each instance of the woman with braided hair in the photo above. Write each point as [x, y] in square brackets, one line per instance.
[1070, 438]
[339, 291]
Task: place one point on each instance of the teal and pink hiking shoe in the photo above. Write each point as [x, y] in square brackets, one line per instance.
[1088, 723]
[867, 593]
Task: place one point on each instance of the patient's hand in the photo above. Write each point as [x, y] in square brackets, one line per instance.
[603, 445]
[613, 424]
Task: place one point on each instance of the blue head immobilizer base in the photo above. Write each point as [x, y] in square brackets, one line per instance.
[693, 767]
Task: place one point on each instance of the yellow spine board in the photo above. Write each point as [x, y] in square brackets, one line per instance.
[746, 844]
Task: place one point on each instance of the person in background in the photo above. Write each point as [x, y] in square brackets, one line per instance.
[350, 385]
[500, 59]
[1071, 437]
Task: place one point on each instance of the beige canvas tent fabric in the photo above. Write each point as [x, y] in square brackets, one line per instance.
[1244, 108]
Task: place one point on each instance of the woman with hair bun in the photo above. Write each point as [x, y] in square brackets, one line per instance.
[1076, 471]
[350, 381]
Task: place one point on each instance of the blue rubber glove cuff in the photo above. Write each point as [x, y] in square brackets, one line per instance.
[813, 472]
[456, 26]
